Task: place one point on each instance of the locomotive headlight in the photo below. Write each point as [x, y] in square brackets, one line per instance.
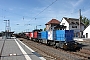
[66, 43]
[75, 45]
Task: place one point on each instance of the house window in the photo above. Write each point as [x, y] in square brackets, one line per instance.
[74, 26]
[72, 23]
[63, 23]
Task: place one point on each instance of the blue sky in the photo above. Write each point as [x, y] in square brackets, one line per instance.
[24, 12]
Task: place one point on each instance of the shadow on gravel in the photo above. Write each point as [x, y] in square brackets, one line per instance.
[36, 54]
[84, 45]
[88, 57]
[79, 47]
[21, 40]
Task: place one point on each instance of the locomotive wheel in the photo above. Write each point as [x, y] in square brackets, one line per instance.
[65, 47]
[56, 47]
[48, 43]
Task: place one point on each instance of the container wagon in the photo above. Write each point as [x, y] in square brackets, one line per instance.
[30, 35]
[27, 35]
[36, 35]
[44, 37]
[39, 37]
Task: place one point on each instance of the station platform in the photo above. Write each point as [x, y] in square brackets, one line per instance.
[14, 49]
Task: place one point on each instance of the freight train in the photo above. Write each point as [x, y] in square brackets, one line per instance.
[58, 38]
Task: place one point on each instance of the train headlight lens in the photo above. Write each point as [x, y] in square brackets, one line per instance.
[66, 43]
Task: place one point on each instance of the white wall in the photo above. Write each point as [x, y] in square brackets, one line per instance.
[87, 30]
[65, 23]
[69, 26]
[48, 27]
[50, 35]
[75, 29]
[82, 28]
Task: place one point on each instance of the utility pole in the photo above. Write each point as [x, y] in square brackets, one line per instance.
[5, 24]
[37, 25]
[80, 34]
[80, 19]
[7, 27]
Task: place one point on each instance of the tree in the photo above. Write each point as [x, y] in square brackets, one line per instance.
[44, 29]
[85, 20]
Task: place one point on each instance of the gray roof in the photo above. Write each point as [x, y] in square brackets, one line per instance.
[73, 21]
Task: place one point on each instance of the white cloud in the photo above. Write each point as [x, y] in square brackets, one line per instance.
[10, 8]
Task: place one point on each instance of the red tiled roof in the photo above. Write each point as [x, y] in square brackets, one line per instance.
[53, 21]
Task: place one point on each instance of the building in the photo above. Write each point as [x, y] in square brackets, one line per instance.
[52, 23]
[72, 24]
[6, 35]
[86, 32]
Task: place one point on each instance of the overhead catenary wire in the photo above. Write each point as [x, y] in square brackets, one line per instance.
[3, 10]
[44, 9]
[23, 17]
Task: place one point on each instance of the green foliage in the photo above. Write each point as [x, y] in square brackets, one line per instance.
[44, 29]
[85, 20]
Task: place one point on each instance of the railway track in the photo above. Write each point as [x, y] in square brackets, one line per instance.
[82, 54]
[51, 53]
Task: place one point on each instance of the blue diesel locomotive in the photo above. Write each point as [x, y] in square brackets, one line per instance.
[59, 39]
